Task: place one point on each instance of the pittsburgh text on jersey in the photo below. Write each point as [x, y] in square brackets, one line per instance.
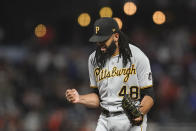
[101, 74]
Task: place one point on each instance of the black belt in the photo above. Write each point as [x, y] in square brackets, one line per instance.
[110, 114]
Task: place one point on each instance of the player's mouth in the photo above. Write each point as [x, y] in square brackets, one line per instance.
[103, 48]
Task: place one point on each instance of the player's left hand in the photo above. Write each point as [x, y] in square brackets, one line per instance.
[137, 120]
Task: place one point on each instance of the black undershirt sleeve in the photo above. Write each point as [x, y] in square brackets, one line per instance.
[95, 90]
[147, 91]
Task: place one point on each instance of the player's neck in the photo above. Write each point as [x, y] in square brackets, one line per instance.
[116, 52]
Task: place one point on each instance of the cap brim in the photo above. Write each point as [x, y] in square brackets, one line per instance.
[96, 38]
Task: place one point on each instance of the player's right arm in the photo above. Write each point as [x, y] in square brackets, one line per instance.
[89, 100]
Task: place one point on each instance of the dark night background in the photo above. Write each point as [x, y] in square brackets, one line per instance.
[19, 18]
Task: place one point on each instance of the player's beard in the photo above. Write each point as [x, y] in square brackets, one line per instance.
[110, 49]
[101, 57]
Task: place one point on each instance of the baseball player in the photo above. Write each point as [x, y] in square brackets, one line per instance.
[116, 68]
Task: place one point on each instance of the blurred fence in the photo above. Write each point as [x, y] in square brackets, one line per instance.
[171, 127]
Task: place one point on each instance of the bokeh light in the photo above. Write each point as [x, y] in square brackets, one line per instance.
[119, 21]
[130, 8]
[159, 17]
[40, 30]
[106, 12]
[84, 19]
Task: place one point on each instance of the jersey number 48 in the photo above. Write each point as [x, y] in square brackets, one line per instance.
[133, 91]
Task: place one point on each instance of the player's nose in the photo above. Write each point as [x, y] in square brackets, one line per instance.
[100, 43]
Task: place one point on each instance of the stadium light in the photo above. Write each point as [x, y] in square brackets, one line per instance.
[159, 17]
[130, 8]
[84, 19]
[119, 21]
[106, 12]
[40, 30]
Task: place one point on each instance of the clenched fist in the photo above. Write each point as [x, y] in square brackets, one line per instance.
[72, 95]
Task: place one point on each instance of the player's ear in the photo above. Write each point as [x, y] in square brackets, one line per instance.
[116, 37]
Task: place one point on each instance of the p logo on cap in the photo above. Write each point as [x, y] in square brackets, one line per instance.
[96, 29]
[103, 29]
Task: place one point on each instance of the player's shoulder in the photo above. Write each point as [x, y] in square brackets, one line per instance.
[137, 52]
[91, 57]
[135, 49]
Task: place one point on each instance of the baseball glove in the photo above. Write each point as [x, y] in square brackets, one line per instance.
[131, 109]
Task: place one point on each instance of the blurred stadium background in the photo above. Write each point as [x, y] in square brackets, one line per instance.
[44, 50]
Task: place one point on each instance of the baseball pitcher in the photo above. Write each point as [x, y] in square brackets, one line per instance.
[121, 79]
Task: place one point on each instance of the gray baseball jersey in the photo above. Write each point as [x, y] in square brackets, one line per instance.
[114, 80]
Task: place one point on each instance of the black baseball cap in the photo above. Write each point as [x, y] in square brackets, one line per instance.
[103, 29]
